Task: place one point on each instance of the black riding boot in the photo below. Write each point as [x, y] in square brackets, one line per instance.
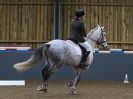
[84, 57]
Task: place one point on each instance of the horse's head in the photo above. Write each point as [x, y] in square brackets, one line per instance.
[98, 35]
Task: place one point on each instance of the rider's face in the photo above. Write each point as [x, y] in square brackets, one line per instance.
[82, 17]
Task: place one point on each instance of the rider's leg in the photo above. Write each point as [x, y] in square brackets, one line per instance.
[85, 45]
[88, 48]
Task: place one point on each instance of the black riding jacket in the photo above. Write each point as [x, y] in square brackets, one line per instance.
[77, 30]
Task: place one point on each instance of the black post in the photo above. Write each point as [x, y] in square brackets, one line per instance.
[56, 19]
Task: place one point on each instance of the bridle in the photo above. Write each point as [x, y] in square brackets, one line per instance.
[100, 40]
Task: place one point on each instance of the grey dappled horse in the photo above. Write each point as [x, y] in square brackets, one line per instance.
[59, 52]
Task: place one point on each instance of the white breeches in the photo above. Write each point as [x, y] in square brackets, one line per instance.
[86, 45]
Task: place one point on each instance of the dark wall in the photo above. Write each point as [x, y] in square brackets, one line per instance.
[111, 66]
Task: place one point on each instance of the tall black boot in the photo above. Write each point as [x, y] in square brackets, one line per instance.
[84, 57]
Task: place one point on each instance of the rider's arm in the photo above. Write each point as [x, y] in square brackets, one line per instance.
[83, 29]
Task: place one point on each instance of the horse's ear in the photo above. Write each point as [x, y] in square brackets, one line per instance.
[98, 25]
[103, 26]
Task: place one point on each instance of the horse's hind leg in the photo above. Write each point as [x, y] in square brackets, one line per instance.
[46, 73]
[43, 86]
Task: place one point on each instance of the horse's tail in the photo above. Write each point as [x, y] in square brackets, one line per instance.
[34, 59]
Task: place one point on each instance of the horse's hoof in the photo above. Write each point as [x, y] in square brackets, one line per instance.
[66, 85]
[45, 90]
[74, 92]
[69, 84]
[40, 88]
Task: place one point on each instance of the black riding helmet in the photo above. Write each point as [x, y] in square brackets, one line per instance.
[79, 13]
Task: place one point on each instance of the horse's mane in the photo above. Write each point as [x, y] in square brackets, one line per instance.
[91, 31]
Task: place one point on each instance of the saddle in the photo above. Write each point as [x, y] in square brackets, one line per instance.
[84, 52]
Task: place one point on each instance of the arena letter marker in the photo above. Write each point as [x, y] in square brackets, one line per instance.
[126, 79]
[12, 82]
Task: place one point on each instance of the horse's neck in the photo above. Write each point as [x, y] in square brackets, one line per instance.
[92, 43]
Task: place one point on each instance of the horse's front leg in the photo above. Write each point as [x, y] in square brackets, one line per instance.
[76, 80]
[73, 84]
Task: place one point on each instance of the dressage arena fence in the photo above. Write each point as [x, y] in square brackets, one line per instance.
[111, 64]
[97, 50]
[31, 22]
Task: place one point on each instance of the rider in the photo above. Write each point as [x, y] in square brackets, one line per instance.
[78, 32]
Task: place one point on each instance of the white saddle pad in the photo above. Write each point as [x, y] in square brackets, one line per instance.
[75, 46]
